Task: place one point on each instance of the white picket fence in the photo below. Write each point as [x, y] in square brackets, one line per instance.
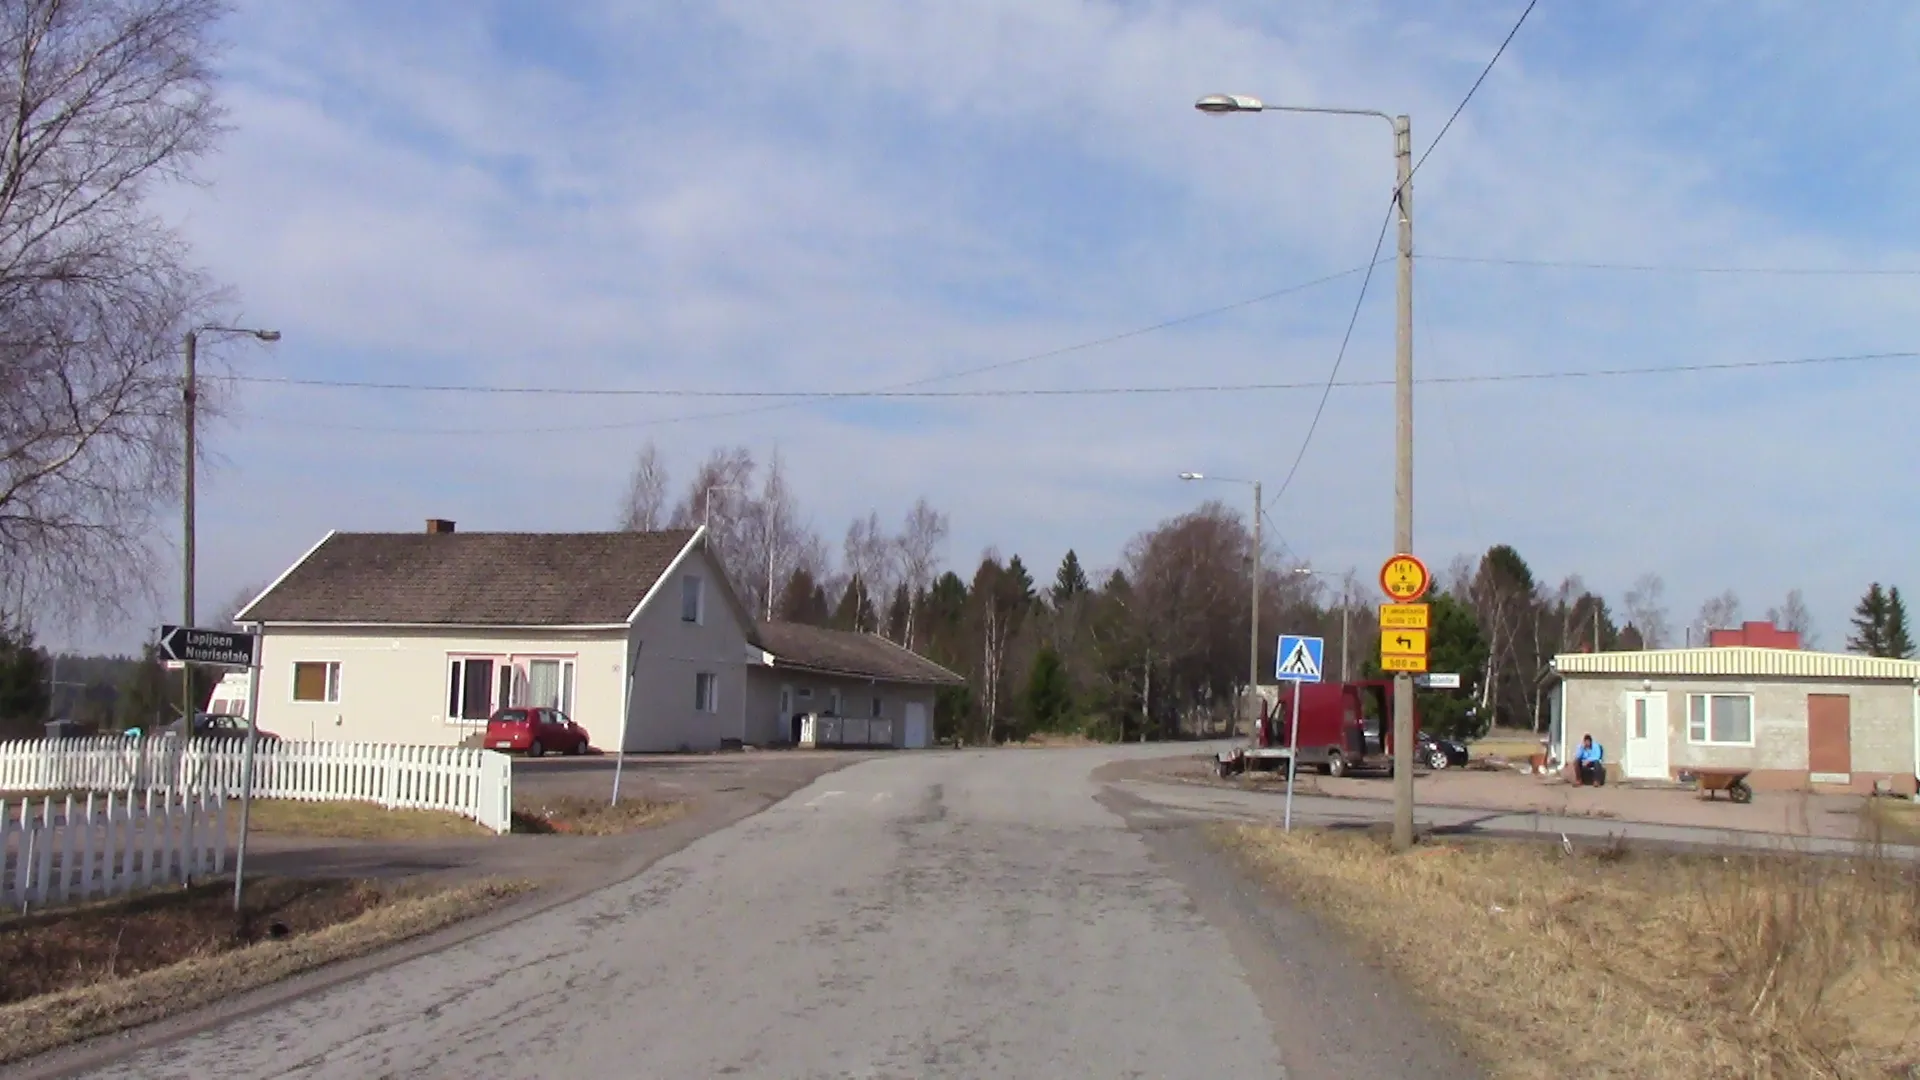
[77, 848]
[471, 782]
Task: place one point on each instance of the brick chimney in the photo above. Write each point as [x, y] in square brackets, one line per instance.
[439, 525]
[1762, 634]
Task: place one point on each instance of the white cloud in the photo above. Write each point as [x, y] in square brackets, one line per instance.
[795, 195]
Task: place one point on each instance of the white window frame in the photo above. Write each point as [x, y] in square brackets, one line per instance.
[333, 683]
[1703, 734]
[523, 680]
[501, 665]
[706, 692]
[693, 590]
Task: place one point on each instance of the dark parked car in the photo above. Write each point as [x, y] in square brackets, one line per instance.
[1440, 752]
[535, 731]
[216, 726]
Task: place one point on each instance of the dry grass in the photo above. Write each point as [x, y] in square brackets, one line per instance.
[354, 821]
[1897, 821]
[1618, 963]
[190, 951]
[1051, 741]
[582, 816]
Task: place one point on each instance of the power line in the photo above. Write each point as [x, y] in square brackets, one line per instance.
[998, 365]
[1341, 356]
[1458, 109]
[1790, 271]
[1153, 391]
[1393, 206]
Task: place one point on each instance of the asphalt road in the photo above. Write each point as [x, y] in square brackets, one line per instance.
[964, 914]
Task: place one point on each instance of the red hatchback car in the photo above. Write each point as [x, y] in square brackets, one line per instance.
[535, 731]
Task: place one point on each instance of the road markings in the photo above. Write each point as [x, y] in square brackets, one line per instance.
[878, 796]
[823, 797]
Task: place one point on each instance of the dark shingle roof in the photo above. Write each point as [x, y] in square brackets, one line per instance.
[841, 652]
[472, 579]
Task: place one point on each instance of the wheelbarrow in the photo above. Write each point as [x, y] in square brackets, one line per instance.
[1732, 781]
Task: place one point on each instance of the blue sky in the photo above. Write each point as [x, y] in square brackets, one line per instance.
[794, 195]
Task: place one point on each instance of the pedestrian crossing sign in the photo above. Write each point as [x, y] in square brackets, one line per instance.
[1299, 658]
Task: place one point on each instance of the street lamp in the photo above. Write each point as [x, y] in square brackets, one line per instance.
[190, 396]
[1253, 626]
[1346, 610]
[1221, 104]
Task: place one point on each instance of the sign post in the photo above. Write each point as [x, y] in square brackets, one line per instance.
[246, 770]
[1298, 660]
[191, 645]
[1404, 578]
[626, 715]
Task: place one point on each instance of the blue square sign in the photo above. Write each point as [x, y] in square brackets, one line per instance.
[1299, 659]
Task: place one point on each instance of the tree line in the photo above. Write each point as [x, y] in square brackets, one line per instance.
[1156, 646]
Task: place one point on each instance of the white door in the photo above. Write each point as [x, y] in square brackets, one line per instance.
[914, 735]
[1645, 756]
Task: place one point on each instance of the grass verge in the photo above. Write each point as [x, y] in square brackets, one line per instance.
[581, 816]
[1622, 963]
[354, 821]
[79, 973]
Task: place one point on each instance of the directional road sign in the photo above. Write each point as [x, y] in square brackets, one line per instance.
[191, 645]
[1298, 659]
[1440, 680]
[1403, 616]
[1405, 578]
[1399, 662]
[1404, 642]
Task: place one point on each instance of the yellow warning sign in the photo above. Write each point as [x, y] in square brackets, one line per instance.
[1398, 662]
[1403, 616]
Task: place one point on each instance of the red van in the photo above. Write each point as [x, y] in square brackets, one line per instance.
[1344, 727]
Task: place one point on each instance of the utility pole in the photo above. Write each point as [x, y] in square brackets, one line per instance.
[1253, 634]
[190, 392]
[189, 399]
[1403, 471]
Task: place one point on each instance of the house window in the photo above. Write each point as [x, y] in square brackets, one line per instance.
[692, 596]
[833, 703]
[706, 692]
[806, 693]
[876, 708]
[1720, 719]
[550, 685]
[472, 682]
[316, 680]
[1640, 718]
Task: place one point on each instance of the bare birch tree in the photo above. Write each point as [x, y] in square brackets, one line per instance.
[1716, 613]
[866, 554]
[101, 101]
[1793, 615]
[919, 546]
[646, 505]
[1646, 604]
[776, 538]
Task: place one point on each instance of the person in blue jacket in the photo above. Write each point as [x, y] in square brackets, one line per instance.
[1589, 762]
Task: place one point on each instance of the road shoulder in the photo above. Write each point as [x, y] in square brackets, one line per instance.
[1332, 1016]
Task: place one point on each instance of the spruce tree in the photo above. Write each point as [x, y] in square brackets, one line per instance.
[1870, 618]
[1897, 637]
[1070, 581]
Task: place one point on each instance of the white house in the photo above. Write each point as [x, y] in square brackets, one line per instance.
[793, 668]
[419, 637]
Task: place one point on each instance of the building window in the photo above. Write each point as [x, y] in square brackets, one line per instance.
[1720, 719]
[706, 692]
[1640, 718]
[692, 597]
[550, 685]
[833, 703]
[316, 680]
[876, 708]
[472, 682]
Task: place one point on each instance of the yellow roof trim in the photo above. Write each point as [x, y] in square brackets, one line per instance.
[1739, 661]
